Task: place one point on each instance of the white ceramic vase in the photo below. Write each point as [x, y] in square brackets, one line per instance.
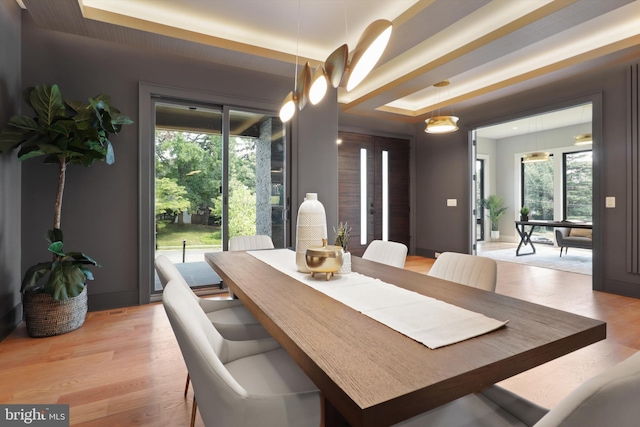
[311, 228]
[346, 263]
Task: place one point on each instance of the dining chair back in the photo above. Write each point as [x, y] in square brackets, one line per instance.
[608, 399]
[471, 270]
[229, 316]
[247, 243]
[248, 383]
[386, 252]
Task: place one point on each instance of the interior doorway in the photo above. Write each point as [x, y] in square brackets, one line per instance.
[554, 184]
[373, 189]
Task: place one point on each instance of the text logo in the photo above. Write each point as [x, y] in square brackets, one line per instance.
[34, 415]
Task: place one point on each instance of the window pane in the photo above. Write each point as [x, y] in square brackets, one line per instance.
[256, 176]
[363, 196]
[578, 186]
[538, 196]
[385, 195]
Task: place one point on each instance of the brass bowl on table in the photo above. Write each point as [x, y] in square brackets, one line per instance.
[325, 259]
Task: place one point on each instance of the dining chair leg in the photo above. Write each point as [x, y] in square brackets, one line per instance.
[186, 387]
[194, 408]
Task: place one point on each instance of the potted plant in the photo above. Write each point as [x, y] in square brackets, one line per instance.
[496, 208]
[342, 239]
[65, 133]
[524, 213]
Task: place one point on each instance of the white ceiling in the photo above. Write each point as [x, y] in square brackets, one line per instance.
[580, 114]
[485, 48]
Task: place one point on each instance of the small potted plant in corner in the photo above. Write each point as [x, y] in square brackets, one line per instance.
[65, 133]
[524, 213]
[496, 208]
[342, 239]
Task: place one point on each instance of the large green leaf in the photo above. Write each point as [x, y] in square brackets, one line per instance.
[56, 248]
[33, 275]
[29, 152]
[66, 280]
[11, 138]
[54, 235]
[24, 122]
[46, 101]
[80, 258]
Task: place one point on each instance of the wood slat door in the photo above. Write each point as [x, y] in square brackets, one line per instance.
[349, 187]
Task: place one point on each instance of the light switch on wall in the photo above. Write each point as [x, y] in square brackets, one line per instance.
[610, 202]
[452, 202]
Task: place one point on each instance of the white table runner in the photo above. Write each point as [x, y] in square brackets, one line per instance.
[427, 320]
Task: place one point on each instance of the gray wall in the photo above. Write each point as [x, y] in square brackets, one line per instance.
[10, 96]
[100, 212]
[443, 160]
[443, 173]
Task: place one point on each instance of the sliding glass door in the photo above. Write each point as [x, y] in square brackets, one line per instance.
[219, 172]
[256, 184]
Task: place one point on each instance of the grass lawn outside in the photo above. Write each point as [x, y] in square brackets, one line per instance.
[171, 235]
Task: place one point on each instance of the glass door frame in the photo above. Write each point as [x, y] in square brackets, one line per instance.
[147, 94]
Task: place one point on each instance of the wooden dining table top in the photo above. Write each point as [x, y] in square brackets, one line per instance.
[371, 375]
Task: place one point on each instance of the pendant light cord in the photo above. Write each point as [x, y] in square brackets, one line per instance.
[295, 74]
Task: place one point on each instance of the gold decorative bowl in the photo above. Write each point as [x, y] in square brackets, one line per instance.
[325, 259]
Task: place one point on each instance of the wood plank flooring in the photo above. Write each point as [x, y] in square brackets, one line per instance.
[124, 367]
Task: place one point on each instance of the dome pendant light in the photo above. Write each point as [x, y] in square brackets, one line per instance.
[535, 157]
[441, 124]
[584, 139]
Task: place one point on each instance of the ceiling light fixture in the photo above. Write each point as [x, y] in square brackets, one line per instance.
[368, 51]
[337, 67]
[584, 139]
[318, 85]
[288, 108]
[535, 157]
[441, 124]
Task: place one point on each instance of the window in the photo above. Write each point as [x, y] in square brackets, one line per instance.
[578, 185]
[537, 195]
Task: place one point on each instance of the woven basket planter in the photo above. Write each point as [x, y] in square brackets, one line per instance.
[46, 316]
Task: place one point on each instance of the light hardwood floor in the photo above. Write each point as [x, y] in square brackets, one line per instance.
[124, 367]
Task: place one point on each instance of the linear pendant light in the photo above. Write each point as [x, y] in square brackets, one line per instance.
[337, 67]
[318, 85]
[368, 51]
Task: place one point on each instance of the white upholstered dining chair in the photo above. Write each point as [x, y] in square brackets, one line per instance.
[238, 383]
[385, 252]
[247, 243]
[475, 271]
[229, 316]
[609, 399]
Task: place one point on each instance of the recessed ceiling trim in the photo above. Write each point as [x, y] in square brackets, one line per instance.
[422, 113]
[570, 47]
[393, 74]
[192, 36]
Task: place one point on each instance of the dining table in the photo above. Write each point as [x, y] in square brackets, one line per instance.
[370, 374]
